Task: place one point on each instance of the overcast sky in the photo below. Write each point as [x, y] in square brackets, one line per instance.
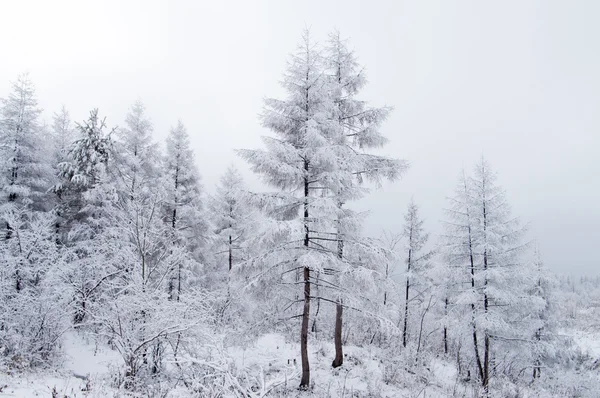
[516, 81]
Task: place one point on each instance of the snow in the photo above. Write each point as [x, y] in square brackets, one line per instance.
[83, 361]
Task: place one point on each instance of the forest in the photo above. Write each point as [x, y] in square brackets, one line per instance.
[123, 276]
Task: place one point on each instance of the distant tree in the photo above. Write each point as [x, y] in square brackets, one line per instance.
[25, 176]
[83, 170]
[416, 261]
[183, 206]
[136, 156]
[230, 214]
[63, 135]
[483, 244]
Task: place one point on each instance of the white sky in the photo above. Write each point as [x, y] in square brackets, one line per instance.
[517, 81]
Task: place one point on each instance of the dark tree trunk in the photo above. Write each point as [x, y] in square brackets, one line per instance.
[339, 311]
[445, 327]
[230, 252]
[486, 339]
[339, 354]
[405, 327]
[305, 381]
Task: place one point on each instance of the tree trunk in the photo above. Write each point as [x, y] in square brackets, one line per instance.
[486, 338]
[305, 381]
[404, 328]
[339, 354]
[445, 327]
[230, 252]
[339, 309]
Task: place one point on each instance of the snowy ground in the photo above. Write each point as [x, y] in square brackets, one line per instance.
[83, 361]
[271, 356]
[275, 361]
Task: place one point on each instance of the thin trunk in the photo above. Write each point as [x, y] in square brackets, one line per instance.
[405, 326]
[486, 355]
[339, 309]
[472, 268]
[408, 264]
[445, 327]
[305, 380]
[178, 281]
[339, 355]
[230, 253]
[313, 328]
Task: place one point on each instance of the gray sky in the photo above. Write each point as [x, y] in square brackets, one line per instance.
[517, 81]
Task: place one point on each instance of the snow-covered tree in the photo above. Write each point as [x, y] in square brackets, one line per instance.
[231, 215]
[416, 263]
[483, 244]
[33, 306]
[356, 129]
[183, 205]
[136, 156]
[24, 174]
[298, 163]
[63, 135]
[82, 172]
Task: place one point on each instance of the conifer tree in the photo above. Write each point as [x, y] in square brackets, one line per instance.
[24, 177]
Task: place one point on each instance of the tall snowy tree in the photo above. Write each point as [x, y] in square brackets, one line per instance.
[183, 207]
[24, 175]
[483, 243]
[84, 169]
[298, 163]
[136, 155]
[416, 262]
[356, 129]
[231, 214]
[63, 135]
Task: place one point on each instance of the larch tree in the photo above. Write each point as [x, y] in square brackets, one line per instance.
[483, 244]
[24, 177]
[183, 207]
[135, 152]
[356, 129]
[63, 135]
[416, 261]
[298, 163]
[82, 191]
[230, 214]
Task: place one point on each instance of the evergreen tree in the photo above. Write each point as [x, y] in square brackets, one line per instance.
[298, 163]
[231, 214]
[182, 206]
[356, 128]
[416, 262]
[24, 175]
[483, 244]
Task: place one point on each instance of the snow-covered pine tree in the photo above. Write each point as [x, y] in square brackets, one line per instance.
[483, 244]
[230, 214]
[183, 207]
[24, 177]
[82, 172]
[543, 316]
[416, 261]
[63, 135]
[298, 162]
[356, 129]
[136, 155]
